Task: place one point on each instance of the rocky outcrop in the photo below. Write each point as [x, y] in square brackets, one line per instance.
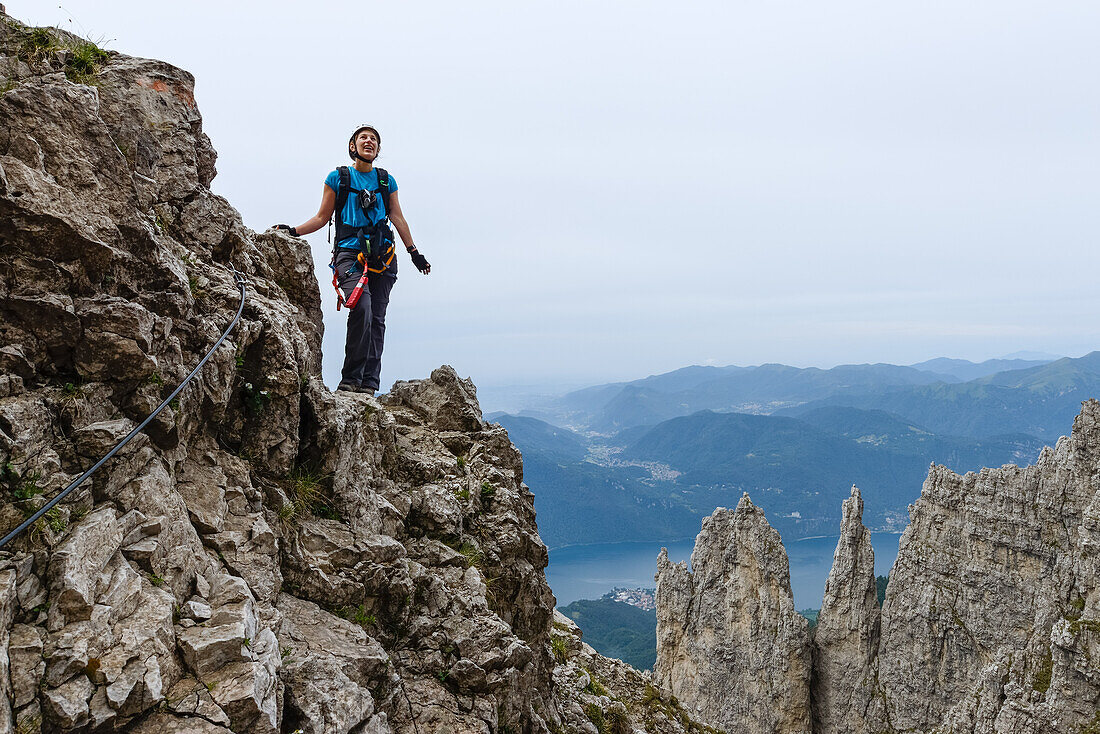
[730, 645]
[847, 632]
[992, 617]
[267, 556]
[601, 695]
[991, 622]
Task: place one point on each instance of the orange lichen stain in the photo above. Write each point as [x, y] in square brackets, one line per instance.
[176, 90]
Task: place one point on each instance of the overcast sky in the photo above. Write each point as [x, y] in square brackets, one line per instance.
[608, 190]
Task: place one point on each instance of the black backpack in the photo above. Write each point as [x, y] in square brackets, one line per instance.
[376, 242]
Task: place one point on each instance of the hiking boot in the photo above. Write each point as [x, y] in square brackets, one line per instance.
[348, 387]
[367, 390]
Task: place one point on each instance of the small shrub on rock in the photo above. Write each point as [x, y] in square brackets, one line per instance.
[38, 45]
[558, 646]
[472, 554]
[84, 61]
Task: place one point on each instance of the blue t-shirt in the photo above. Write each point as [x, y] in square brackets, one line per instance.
[353, 214]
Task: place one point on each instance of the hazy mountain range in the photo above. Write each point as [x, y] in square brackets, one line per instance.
[764, 389]
[648, 459]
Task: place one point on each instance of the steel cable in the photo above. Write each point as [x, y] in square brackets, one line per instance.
[65, 492]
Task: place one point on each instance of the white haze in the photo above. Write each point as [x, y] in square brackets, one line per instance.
[613, 189]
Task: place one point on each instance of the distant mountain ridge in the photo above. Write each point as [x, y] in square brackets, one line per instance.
[1041, 401]
[763, 389]
[965, 370]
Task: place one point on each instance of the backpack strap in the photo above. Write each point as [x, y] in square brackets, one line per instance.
[384, 189]
[343, 189]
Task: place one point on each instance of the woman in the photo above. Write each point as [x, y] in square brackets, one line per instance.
[367, 198]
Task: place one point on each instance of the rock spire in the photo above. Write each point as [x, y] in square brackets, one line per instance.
[730, 645]
[991, 616]
[847, 631]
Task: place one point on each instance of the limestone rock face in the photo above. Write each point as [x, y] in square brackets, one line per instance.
[8, 603]
[730, 645]
[603, 695]
[266, 556]
[992, 612]
[847, 632]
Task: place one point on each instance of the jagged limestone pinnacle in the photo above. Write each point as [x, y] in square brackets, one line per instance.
[847, 631]
[730, 644]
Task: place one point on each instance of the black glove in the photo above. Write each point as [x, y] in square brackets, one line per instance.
[293, 232]
[420, 261]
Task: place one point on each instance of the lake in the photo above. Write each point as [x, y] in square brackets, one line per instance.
[590, 571]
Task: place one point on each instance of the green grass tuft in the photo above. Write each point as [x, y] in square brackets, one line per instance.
[28, 486]
[30, 724]
[38, 44]
[84, 62]
[559, 648]
[288, 513]
[56, 520]
[595, 687]
[1040, 681]
[359, 615]
[305, 486]
[198, 293]
[474, 557]
[72, 391]
[1091, 727]
[618, 723]
[83, 59]
[595, 715]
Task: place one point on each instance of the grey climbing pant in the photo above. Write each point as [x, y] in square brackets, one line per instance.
[366, 322]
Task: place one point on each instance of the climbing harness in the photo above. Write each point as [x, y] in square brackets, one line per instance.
[65, 492]
[376, 241]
